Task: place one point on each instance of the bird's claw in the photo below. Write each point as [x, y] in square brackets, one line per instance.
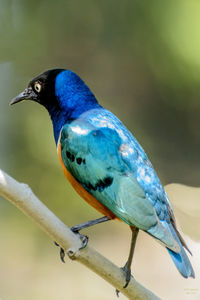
[62, 252]
[84, 238]
[127, 272]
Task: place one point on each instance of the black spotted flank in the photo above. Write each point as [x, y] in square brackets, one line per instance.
[100, 185]
[70, 156]
[79, 160]
[108, 181]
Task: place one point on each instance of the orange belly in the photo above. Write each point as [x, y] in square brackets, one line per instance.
[81, 191]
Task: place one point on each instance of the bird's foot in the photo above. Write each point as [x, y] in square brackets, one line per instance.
[84, 238]
[127, 273]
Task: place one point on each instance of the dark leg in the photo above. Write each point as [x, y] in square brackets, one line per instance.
[81, 226]
[84, 238]
[127, 266]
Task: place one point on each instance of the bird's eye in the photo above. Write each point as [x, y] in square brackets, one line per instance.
[37, 87]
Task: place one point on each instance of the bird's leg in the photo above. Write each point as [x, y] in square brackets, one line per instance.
[127, 266]
[83, 238]
[81, 226]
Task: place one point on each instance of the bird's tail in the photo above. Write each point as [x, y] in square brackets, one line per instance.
[180, 259]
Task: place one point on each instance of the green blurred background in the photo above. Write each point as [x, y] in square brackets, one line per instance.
[142, 60]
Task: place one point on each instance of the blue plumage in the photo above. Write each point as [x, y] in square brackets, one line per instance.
[73, 96]
[180, 259]
[110, 150]
[107, 161]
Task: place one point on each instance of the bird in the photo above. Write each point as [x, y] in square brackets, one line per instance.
[106, 165]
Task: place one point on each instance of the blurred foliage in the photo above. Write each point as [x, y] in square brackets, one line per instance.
[141, 58]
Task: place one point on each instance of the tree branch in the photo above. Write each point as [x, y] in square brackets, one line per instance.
[22, 196]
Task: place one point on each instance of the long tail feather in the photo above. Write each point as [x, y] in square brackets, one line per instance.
[181, 259]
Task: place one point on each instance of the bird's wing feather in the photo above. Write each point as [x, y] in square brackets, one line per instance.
[94, 157]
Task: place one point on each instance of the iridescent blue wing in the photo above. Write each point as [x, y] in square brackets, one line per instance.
[97, 157]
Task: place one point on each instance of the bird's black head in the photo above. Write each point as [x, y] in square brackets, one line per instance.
[62, 92]
[59, 89]
[40, 89]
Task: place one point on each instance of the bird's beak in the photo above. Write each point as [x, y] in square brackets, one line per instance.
[27, 94]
